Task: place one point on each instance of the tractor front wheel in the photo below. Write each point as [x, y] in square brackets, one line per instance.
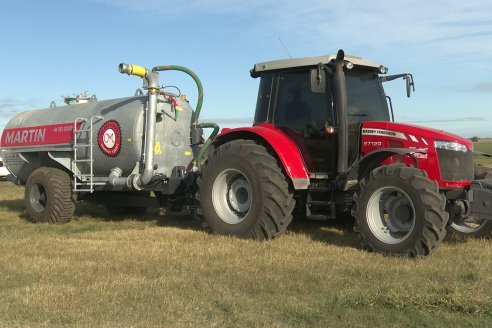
[243, 192]
[398, 210]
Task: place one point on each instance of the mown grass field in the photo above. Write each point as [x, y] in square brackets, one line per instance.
[486, 147]
[164, 270]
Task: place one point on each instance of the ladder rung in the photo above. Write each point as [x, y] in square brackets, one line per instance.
[86, 180]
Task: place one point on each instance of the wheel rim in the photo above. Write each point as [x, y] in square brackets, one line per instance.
[38, 197]
[390, 215]
[232, 196]
[468, 225]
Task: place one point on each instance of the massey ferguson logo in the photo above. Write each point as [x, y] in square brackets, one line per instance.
[381, 132]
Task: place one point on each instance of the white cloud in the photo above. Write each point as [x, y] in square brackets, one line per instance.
[398, 28]
[482, 87]
[10, 106]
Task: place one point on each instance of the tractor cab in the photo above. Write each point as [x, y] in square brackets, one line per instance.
[304, 98]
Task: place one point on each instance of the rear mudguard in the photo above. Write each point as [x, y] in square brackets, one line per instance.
[285, 149]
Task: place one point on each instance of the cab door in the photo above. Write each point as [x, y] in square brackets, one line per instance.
[305, 116]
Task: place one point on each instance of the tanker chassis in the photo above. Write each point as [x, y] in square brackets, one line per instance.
[323, 145]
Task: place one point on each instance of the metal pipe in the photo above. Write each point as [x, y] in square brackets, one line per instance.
[195, 78]
[148, 171]
[151, 79]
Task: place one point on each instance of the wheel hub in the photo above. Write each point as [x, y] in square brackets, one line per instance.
[232, 196]
[38, 197]
[400, 214]
[390, 214]
[238, 195]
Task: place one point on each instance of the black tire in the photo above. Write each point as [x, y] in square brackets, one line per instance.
[49, 196]
[243, 192]
[469, 227]
[398, 210]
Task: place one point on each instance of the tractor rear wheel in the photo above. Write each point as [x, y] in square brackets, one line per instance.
[48, 196]
[243, 192]
[398, 210]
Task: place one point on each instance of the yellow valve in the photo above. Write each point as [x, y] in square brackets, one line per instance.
[132, 70]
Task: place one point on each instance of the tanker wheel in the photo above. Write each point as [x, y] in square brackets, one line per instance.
[398, 210]
[243, 192]
[470, 227]
[48, 196]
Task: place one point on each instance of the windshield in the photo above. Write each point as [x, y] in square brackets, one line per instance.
[366, 100]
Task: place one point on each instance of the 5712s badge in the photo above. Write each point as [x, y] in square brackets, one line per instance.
[109, 138]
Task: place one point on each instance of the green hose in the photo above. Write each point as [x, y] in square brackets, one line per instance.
[197, 81]
[209, 141]
[198, 108]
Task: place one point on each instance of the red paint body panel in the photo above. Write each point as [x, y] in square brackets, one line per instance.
[286, 149]
[377, 135]
[374, 135]
[42, 135]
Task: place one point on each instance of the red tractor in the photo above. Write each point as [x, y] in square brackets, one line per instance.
[324, 144]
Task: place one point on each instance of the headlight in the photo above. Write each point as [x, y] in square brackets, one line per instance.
[449, 145]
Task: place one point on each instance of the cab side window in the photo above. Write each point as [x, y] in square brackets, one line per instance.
[299, 109]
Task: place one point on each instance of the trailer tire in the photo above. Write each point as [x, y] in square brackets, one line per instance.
[243, 192]
[398, 210]
[49, 196]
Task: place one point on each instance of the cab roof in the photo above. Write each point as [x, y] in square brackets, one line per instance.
[310, 61]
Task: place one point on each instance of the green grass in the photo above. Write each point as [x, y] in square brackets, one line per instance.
[164, 270]
[486, 147]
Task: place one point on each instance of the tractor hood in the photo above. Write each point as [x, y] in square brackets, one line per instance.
[412, 133]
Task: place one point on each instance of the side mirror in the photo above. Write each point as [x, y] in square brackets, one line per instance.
[318, 80]
[410, 85]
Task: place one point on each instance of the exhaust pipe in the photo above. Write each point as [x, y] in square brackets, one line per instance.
[341, 94]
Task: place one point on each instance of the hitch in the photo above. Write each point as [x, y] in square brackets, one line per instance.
[480, 198]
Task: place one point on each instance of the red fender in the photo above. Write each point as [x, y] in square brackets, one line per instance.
[286, 150]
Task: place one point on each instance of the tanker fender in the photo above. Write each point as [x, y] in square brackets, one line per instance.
[281, 145]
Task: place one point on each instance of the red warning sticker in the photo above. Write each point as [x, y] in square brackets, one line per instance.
[109, 138]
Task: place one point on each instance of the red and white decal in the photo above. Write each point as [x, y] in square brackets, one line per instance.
[41, 135]
[109, 138]
[383, 133]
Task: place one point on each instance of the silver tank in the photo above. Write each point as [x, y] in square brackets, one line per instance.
[40, 137]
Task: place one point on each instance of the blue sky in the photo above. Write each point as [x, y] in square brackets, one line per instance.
[54, 48]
